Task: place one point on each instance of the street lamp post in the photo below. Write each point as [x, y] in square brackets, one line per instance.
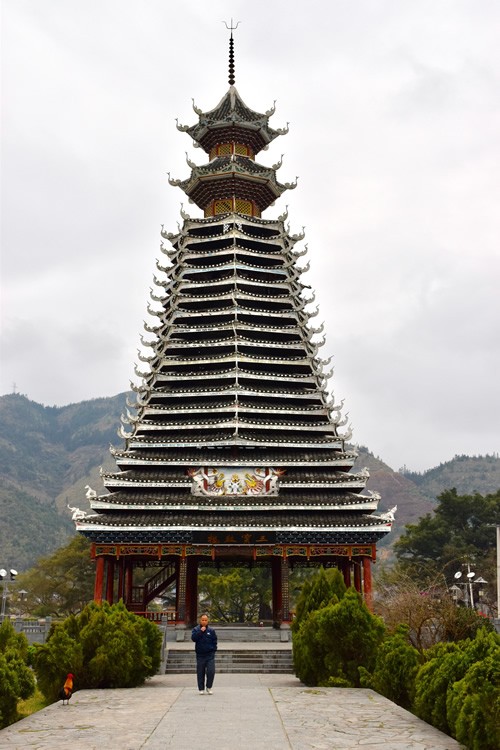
[468, 586]
[498, 572]
[497, 621]
[3, 577]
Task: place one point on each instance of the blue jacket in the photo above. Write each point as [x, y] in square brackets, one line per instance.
[205, 641]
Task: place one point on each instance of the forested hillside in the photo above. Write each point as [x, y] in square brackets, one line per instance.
[49, 454]
[467, 474]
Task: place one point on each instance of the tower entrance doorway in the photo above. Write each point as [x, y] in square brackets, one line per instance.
[119, 568]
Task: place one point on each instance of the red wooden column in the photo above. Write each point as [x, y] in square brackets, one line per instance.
[346, 571]
[367, 582]
[357, 575]
[285, 591]
[99, 579]
[121, 580]
[110, 579]
[191, 591]
[180, 590]
[129, 582]
[277, 589]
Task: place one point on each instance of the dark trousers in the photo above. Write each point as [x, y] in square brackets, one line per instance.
[205, 668]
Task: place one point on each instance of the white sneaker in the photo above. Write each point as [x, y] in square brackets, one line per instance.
[202, 692]
[209, 691]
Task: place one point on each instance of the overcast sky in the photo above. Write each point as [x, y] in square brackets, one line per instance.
[394, 112]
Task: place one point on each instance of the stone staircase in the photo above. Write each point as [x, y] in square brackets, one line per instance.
[235, 633]
[240, 661]
[242, 649]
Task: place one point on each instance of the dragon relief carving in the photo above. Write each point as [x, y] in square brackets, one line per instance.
[234, 481]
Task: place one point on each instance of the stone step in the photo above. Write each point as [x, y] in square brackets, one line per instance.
[234, 633]
[234, 662]
[234, 670]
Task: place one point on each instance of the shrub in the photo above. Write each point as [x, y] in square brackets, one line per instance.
[16, 679]
[448, 664]
[321, 589]
[335, 640]
[396, 665]
[473, 703]
[105, 646]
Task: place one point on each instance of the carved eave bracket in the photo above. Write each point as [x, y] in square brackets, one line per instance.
[283, 131]
[196, 109]
[182, 128]
[170, 236]
[174, 182]
[270, 112]
[347, 436]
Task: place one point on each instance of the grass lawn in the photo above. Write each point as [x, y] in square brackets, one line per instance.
[31, 705]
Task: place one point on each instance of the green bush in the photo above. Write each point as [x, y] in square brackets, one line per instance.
[16, 679]
[449, 672]
[105, 646]
[473, 703]
[396, 666]
[335, 640]
[323, 588]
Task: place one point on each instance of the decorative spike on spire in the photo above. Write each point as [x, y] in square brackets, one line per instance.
[231, 28]
[231, 60]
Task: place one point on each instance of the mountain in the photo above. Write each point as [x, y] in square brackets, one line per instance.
[48, 454]
[468, 474]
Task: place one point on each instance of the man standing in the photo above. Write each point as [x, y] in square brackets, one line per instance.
[205, 640]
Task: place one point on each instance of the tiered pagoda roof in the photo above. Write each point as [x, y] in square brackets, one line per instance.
[232, 429]
[231, 121]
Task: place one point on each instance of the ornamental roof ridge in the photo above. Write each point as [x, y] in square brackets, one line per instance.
[194, 222]
[200, 185]
[259, 520]
[326, 458]
[232, 113]
[194, 251]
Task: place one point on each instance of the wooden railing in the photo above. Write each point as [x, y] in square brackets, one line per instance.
[168, 615]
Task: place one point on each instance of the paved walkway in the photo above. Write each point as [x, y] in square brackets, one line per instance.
[246, 712]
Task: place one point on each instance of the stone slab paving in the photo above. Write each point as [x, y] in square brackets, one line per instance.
[255, 711]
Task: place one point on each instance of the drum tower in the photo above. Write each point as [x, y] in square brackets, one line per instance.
[233, 452]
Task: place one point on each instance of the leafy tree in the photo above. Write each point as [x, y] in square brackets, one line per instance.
[16, 679]
[62, 583]
[236, 594]
[105, 646]
[459, 529]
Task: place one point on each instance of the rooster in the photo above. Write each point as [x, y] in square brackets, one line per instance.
[67, 689]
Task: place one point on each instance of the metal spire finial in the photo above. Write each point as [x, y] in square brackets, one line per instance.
[231, 28]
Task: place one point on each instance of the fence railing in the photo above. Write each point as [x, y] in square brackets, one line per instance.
[166, 615]
[36, 631]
